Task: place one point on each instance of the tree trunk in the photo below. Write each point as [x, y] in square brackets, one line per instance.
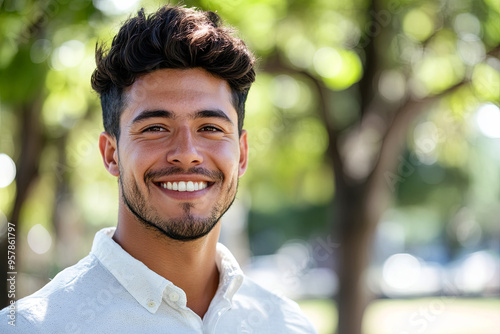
[355, 231]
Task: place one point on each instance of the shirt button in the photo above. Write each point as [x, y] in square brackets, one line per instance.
[173, 296]
[151, 303]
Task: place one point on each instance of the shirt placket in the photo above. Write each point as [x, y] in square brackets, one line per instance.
[176, 298]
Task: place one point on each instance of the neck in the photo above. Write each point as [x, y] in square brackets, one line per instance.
[189, 265]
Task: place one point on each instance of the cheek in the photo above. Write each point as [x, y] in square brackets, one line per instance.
[136, 160]
[226, 158]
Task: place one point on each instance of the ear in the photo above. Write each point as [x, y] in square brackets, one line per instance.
[109, 152]
[243, 153]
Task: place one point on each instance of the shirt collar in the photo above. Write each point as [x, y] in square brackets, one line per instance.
[141, 282]
[146, 286]
[231, 275]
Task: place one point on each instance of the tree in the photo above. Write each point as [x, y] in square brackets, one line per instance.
[28, 32]
[453, 48]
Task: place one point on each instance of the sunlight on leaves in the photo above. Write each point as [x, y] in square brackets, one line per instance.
[339, 68]
[418, 24]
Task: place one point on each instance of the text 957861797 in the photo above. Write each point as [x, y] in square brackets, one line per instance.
[11, 274]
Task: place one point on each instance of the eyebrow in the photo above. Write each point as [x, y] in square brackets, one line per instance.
[153, 114]
[209, 113]
[206, 113]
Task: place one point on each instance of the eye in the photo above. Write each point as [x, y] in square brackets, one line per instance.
[210, 128]
[155, 128]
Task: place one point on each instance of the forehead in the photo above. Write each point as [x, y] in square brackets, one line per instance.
[181, 91]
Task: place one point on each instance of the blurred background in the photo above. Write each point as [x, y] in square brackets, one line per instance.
[373, 190]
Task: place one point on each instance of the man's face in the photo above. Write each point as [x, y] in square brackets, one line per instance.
[179, 155]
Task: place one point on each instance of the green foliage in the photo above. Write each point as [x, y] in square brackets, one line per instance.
[423, 49]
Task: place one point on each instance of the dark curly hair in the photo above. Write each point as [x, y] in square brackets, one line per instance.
[173, 37]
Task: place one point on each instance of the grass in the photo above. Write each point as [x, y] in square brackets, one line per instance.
[440, 315]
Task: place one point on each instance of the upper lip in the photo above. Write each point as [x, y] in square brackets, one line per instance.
[187, 177]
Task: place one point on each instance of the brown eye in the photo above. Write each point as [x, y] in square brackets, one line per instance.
[154, 129]
[210, 129]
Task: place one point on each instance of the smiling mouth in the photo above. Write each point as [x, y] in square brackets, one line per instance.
[184, 185]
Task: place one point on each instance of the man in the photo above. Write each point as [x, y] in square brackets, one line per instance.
[173, 87]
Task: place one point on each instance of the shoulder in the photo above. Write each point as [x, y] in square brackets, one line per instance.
[269, 311]
[58, 301]
[12, 322]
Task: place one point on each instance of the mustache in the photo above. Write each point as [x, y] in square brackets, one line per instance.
[215, 175]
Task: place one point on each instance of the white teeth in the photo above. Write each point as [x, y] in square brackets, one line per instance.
[184, 186]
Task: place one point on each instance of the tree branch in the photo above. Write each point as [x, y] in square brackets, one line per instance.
[366, 90]
[276, 65]
[333, 140]
[394, 136]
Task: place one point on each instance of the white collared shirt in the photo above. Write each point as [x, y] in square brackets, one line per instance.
[109, 291]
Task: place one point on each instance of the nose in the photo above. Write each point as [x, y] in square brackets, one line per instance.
[183, 151]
